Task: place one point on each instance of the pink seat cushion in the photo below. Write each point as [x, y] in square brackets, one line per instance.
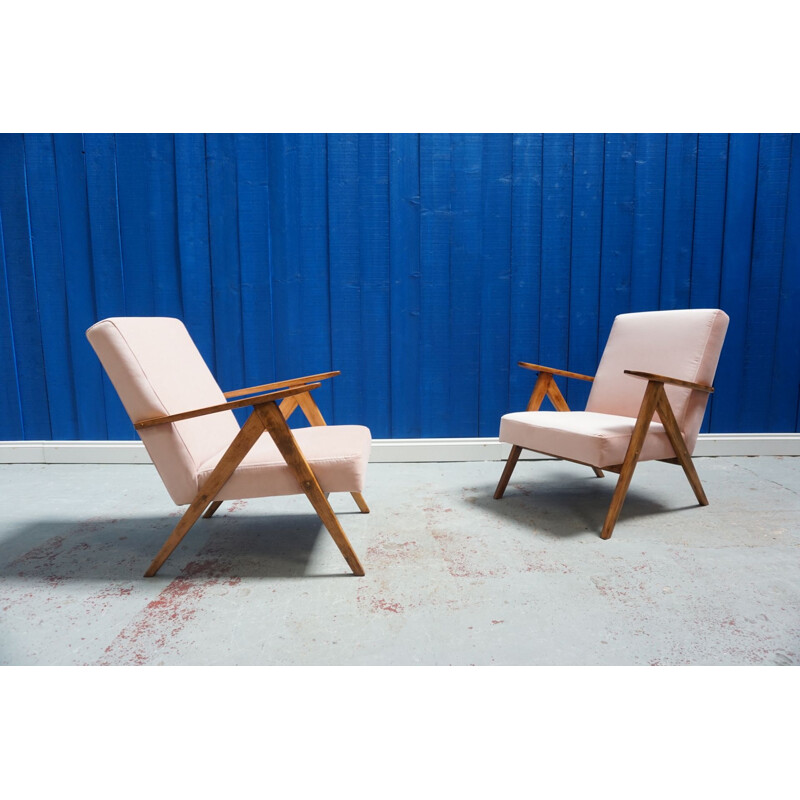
[338, 455]
[589, 437]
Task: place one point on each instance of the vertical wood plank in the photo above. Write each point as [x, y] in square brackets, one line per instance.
[648, 219]
[557, 155]
[526, 242]
[762, 311]
[737, 246]
[10, 406]
[618, 215]
[51, 287]
[192, 234]
[345, 288]
[101, 184]
[679, 199]
[373, 170]
[496, 280]
[73, 208]
[21, 288]
[586, 244]
[466, 287]
[252, 186]
[404, 220]
[226, 279]
[785, 402]
[435, 176]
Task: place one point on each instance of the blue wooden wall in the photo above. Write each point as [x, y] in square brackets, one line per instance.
[422, 266]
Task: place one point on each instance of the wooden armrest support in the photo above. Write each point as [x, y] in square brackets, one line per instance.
[649, 376]
[266, 387]
[248, 401]
[539, 368]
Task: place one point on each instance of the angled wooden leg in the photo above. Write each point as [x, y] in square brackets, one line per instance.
[646, 411]
[211, 509]
[245, 439]
[360, 502]
[511, 462]
[667, 417]
[288, 405]
[284, 440]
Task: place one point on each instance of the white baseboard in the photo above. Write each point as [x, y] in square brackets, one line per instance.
[387, 450]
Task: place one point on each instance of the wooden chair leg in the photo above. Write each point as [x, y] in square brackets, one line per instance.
[638, 436]
[211, 509]
[276, 425]
[511, 462]
[360, 502]
[670, 424]
[245, 439]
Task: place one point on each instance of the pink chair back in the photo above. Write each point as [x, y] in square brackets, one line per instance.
[684, 344]
[157, 370]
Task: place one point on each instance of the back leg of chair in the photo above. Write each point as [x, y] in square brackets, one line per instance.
[511, 462]
[211, 509]
[360, 502]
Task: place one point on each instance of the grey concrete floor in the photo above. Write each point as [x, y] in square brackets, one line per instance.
[453, 576]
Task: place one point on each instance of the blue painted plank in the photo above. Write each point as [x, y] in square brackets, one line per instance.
[768, 238]
[785, 402]
[373, 169]
[709, 217]
[51, 288]
[404, 226]
[225, 267]
[101, 185]
[679, 199]
[466, 284]
[435, 231]
[10, 405]
[21, 287]
[252, 184]
[139, 271]
[194, 252]
[618, 214]
[740, 203]
[587, 218]
[707, 238]
[526, 243]
[73, 208]
[162, 224]
[651, 154]
[496, 280]
[349, 402]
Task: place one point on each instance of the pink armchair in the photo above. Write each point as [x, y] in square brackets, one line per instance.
[203, 457]
[646, 403]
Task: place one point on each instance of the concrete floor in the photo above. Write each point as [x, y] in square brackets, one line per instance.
[453, 576]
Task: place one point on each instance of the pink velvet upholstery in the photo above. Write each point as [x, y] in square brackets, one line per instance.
[157, 370]
[684, 344]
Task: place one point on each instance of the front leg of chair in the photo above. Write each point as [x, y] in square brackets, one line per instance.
[245, 439]
[646, 411]
[285, 442]
[667, 417]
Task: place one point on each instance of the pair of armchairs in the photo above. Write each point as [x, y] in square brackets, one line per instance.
[646, 403]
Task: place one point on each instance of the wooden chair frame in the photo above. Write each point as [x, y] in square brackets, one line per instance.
[266, 416]
[655, 400]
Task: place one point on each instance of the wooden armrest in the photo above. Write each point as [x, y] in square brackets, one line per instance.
[649, 376]
[539, 368]
[248, 401]
[266, 387]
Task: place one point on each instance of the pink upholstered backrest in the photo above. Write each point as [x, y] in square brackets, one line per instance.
[683, 344]
[157, 370]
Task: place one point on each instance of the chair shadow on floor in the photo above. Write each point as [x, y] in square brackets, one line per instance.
[119, 549]
[567, 505]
